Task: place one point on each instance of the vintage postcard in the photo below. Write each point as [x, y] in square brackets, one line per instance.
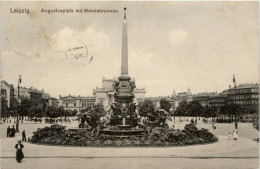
[126, 84]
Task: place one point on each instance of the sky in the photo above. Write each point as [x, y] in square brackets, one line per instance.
[171, 45]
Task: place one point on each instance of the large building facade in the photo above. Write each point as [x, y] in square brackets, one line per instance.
[244, 94]
[103, 95]
[203, 98]
[76, 102]
[218, 100]
[7, 94]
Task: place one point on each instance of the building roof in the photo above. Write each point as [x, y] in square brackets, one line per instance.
[246, 85]
[35, 91]
[7, 84]
[206, 94]
[77, 97]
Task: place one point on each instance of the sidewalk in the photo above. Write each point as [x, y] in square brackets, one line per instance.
[223, 148]
[225, 154]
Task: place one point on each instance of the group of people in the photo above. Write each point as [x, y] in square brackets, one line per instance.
[10, 131]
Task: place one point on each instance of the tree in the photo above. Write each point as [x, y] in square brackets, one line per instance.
[181, 110]
[74, 112]
[52, 112]
[38, 112]
[195, 109]
[4, 108]
[24, 107]
[146, 107]
[165, 104]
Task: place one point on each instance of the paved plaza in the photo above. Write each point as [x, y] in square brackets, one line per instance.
[242, 153]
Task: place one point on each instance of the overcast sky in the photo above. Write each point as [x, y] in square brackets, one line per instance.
[172, 46]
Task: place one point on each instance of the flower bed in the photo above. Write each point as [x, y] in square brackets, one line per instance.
[159, 136]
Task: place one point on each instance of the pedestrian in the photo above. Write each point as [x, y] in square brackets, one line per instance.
[192, 121]
[8, 131]
[229, 135]
[19, 152]
[24, 136]
[214, 126]
[235, 134]
[13, 132]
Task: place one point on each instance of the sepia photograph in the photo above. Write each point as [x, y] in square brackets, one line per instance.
[127, 84]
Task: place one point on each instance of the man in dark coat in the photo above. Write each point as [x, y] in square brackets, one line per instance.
[13, 132]
[24, 136]
[19, 153]
[8, 131]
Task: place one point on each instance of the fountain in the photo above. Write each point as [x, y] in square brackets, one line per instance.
[124, 120]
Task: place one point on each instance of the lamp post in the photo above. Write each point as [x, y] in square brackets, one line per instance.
[235, 87]
[18, 95]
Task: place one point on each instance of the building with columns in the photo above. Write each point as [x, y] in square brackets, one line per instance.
[76, 102]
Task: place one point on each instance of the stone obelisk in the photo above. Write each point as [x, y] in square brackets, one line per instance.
[124, 93]
[124, 61]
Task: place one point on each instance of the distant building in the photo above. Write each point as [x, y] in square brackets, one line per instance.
[218, 100]
[156, 102]
[45, 97]
[7, 93]
[105, 94]
[187, 96]
[35, 97]
[245, 94]
[76, 102]
[53, 102]
[203, 98]
[180, 97]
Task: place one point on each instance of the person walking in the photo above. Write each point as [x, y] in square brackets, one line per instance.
[214, 126]
[24, 136]
[13, 132]
[8, 131]
[19, 153]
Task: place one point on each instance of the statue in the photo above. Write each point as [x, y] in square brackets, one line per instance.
[116, 86]
[160, 118]
[132, 86]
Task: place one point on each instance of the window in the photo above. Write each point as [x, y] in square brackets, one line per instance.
[74, 104]
[66, 104]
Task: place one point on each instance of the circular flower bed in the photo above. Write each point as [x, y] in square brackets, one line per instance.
[158, 136]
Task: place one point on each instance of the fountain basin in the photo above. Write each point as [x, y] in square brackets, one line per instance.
[124, 132]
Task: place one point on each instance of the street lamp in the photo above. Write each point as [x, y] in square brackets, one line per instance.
[235, 87]
[18, 95]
